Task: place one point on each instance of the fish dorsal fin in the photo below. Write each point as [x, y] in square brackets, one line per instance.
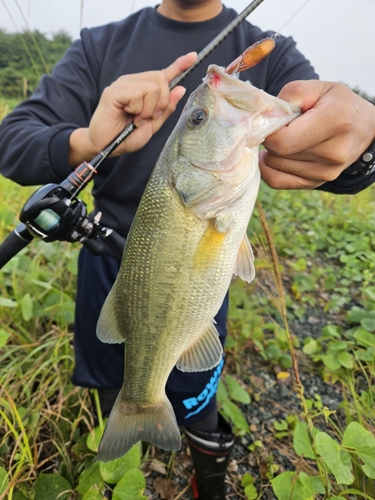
[107, 329]
[204, 354]
[244, 267]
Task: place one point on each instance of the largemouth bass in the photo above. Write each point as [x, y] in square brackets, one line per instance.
[187, 240]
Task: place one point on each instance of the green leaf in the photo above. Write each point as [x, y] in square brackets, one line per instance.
[310, 347]
[52, 486]
[3, 480]
[331, 362]
[345, 359]
[96, 492]
[4, 336]
[222, 393]
[289, 486]
[331, 331]
[367, 454]
[301, 441]
[27, 307]
[236, 391]
[364, 338]
[318, 485]
[7, 302]
[356, 315]
[368, 324]
[236, 416]
[93, 439]
[89, 478]
[251, 492]
[357, 437]
[281, 426]
[113, 471]
[246, 480]
[130, 486]
[332, 455]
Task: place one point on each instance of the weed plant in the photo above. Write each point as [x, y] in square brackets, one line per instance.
[327, 257]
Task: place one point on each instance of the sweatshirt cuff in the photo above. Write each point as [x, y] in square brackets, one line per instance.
[59, 153]
[348, 184]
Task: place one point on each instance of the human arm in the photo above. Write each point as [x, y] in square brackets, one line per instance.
[314, 150]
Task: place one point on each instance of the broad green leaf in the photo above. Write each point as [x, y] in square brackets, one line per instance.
[246, 480]
[367, 454]
[364, 338]
[331, 453]
[27, 307]
[89, 478]
[52, 486]
[113, 471]
[281, 426]
[96, 492]
[4, 336]
[356, 437]
[345, 359]
[356, 315]
[301, 441]
[93, 439]
[310, 347]
[222, 393]
[331, 362]
[318, 485]
[3, 480]
[236, 416]
[368, 324]
[130, 486]
[331, 331]
[251, 492]
[289, 486]
[236, 391]
[7, 302]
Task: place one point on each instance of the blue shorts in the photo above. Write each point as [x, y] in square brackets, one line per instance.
[101, 366]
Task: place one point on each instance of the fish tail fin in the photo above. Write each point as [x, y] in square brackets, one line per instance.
[129, 423]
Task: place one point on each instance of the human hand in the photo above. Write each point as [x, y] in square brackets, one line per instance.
[144, 98]
[334, 130]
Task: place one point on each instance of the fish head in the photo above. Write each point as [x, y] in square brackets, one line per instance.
[225, 115]
[217, 140]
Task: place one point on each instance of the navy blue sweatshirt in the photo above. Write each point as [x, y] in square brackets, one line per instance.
[34, 137]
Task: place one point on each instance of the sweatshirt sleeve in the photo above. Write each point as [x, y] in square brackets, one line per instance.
[34, 137]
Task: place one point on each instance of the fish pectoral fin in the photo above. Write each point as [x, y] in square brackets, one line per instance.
[244, 267]
[129, 423]
[204, 354]
[107, 329]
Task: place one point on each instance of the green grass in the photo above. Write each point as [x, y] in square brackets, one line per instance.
[326, 248]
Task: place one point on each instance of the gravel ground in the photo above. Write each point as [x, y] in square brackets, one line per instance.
[168, 477]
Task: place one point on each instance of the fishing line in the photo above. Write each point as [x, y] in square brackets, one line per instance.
[294, 15]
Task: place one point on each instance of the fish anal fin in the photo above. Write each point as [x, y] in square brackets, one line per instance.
[244, 267]
[204, 354]
[107, 329]
[129, 423]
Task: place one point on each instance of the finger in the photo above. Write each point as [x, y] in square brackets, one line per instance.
[179, 65]
[309, 170]
[175, 96]
[316, 123]
[281, 180]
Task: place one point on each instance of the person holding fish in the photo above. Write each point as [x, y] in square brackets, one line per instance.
[119, 72]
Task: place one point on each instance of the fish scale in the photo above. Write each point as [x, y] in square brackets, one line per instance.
[187, 240]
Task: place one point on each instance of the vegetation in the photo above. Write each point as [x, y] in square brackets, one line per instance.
[24, 57]
[315, 255]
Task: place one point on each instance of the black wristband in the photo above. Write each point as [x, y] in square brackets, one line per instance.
[366, 163]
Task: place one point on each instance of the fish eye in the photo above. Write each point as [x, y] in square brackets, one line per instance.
[198, 115]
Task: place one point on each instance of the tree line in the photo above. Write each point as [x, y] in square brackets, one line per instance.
[25, 57]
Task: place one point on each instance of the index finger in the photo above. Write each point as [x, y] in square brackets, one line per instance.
[179, 65]
[314, 126]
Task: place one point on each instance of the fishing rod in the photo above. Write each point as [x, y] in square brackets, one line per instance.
[54, 213]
